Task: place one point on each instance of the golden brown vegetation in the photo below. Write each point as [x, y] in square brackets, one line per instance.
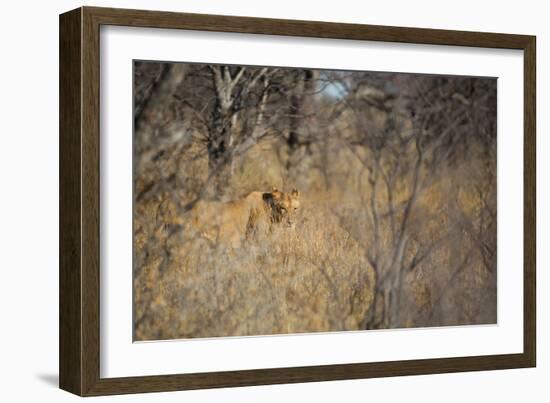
[394, 234]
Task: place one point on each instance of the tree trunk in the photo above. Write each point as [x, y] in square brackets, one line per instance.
[300, 110]
[219, 172]
[150, 124]
[220, 151]
[378, 315]
[154, 107]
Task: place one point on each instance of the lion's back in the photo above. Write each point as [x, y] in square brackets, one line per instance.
[228, 221]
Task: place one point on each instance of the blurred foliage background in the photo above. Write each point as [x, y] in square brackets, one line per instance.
[397, 174]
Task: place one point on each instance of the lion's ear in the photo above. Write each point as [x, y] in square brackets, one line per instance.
[295, 193]
[274, 189]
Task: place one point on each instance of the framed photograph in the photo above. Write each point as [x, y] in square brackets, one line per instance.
[249, 201]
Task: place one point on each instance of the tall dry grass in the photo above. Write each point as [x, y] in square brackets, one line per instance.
[313, 278]
[316, 278]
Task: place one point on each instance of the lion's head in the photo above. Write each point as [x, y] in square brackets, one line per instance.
[284, 206]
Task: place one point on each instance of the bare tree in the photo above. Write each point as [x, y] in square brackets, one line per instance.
[430, 124]
[302, 124]
[237, 107]
[156, 123]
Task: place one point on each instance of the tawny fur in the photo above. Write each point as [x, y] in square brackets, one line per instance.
[253, 215]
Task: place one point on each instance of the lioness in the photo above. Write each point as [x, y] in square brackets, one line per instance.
[233, 221]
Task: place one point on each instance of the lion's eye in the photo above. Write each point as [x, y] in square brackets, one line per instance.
[283, 210]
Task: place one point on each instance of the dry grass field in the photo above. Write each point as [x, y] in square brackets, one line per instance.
[396, 227]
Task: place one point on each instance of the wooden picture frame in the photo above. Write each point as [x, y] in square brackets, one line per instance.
[79, 346]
